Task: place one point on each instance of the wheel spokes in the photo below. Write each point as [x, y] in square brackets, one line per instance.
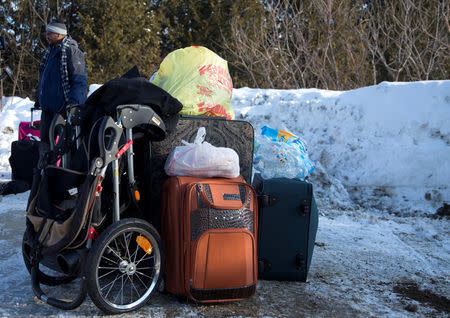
[138, 272]
[133, 287]
[112, 285]
[110, 260]
[126, 273]
[144, 259]
[114, 252]
[106, 274]
[143, 284]
[127, 251]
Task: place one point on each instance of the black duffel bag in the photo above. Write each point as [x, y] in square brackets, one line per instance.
[24, 158]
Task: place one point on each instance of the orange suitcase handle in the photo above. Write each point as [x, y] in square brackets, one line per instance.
[228, 204]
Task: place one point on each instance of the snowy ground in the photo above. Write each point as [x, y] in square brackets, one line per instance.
[364, 265]
[382, 171]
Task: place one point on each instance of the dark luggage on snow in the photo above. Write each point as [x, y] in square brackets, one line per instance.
[288, 221]
[24, 158]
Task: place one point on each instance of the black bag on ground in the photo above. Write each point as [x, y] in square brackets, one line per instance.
[24, 158]
[13, 187]
[288, 221]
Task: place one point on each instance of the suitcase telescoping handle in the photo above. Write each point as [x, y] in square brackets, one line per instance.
[32, 109]
[200, 188]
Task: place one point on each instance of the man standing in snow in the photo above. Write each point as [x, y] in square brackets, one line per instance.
[62, 76]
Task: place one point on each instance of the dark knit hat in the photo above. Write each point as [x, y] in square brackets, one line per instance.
[57, 26]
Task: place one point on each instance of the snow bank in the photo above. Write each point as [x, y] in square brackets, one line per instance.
[389, 141]
[385, 146]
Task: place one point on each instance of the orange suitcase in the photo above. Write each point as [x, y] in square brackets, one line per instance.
[209, 230]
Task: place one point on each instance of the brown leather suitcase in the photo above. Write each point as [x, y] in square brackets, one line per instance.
[209, 230]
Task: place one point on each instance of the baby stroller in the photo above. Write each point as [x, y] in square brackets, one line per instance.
[73, 232]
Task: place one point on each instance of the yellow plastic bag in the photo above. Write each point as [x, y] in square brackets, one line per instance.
[199, 79]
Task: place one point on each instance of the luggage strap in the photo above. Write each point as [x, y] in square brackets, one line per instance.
[264, 265]
[300, 261]
[305, 204]
[266, 200]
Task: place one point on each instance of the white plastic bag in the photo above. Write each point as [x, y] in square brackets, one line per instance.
[201, 159]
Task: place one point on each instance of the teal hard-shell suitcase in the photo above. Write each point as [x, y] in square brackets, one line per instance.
[288, 221]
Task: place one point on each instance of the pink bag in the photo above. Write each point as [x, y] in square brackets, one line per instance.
[29, 130]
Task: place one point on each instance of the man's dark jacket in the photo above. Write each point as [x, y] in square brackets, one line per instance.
[50, 90]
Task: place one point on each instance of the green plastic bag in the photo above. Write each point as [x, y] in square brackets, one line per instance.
[199, 79]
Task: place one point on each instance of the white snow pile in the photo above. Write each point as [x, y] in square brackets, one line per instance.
[382, 156]
[385, 146]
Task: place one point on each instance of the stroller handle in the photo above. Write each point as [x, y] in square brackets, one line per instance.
[108, 139]
[58, 129]
[132, 115]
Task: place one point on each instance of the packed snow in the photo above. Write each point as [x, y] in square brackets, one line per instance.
[382, 172]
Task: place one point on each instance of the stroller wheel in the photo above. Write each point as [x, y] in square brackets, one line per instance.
[47, 276]
[124, 266]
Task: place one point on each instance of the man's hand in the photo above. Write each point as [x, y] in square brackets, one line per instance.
[73, 110]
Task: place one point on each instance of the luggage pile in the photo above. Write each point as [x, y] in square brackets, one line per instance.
[181, 204]
[221, 234]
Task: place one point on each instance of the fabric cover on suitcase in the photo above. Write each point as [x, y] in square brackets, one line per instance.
[235, 134]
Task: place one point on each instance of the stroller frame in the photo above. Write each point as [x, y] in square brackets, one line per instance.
[128, 252]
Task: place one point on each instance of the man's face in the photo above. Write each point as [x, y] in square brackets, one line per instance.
[53, 38]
